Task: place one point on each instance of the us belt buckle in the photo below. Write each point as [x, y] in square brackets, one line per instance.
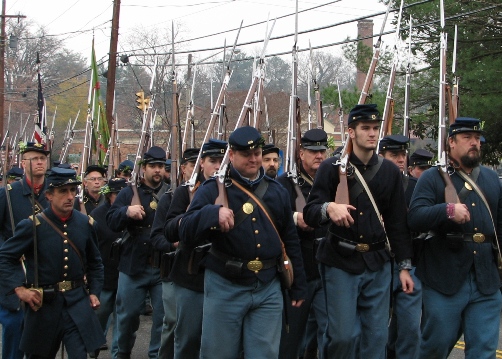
[362, 247]
[478, 237]
[255, 266]
[64, 286]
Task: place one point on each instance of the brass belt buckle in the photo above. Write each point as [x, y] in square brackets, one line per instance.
[64, 286]
[478, 237]
[362, 247]
[255, 266]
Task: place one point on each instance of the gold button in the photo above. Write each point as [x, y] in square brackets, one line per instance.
[258, 245]
[360, 213]
[66, 250]
[256, 231]
[475, 252]
[255, 272]
[65, 233]
[257, 258]
[65, 241]
[65, 274]
[361, 236]
[253, 219]
[474, 204]
[66, 259]
[63, 290]
[65, 225]
[476, 229]
[65, 267]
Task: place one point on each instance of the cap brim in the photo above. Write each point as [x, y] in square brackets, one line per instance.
[316, 148]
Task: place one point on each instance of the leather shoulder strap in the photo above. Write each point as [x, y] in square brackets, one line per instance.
[368, 175]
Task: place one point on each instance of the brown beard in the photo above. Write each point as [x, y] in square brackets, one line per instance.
[470, 162]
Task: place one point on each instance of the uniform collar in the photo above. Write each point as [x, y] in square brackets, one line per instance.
[249, 182]
[357, 162]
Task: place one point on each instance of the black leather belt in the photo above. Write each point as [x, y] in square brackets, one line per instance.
[360, 247]
[65, 285]
[473, 237]
[253, 265]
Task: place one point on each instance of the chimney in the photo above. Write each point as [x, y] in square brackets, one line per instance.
[364, 31]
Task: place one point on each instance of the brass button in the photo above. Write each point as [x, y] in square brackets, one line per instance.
[65, 225]
[360, 213]
[66, 259]
[63, 290]
[475, 252]
[253, 219]
[475, 229]
[257, 258]
[65, 241]
[65, 233]
[65, 267]
[255, 272]
[258, 245]
[361, 236]
[65, 274]
[66, 250]
[256, 231]
[474, 204]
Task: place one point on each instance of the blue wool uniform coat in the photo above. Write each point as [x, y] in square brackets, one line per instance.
[57, 261]
[20, 196]
[387, 189]
[253, 238]
[135, 253]
[444, 267]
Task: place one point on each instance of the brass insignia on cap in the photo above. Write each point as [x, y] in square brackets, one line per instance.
[247, 208]
[250, 142]
[373, 117]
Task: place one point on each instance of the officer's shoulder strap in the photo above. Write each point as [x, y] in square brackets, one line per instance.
[37, 221]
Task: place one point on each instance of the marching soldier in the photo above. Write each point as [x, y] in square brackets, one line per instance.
[139, 263]
[188, 280]
[404, 327]
[354, 261]
[313, 146]
[106, 237]
[69, 274]
[125, 169]
[458, 266]
[16, 205]
[160, 242]
[242, 292]
[270, 162]
[94, 179]
[420, 161]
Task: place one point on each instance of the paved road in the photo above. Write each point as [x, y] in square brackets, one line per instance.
[140, 350]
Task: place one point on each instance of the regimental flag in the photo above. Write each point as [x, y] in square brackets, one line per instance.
[39, 135]
[101, 132]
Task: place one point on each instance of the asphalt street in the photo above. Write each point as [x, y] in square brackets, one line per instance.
[140, 350]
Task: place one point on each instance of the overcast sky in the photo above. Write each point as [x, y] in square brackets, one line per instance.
[77, 20]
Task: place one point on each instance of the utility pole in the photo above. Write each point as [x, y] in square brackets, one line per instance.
[3, 42]
[112, 64]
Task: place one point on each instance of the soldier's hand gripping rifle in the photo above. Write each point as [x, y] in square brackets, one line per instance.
[342, 191]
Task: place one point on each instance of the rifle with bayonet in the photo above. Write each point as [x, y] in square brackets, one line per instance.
[407, 88]
[317, 94]
[455, 101]
[340, 115]
[69, 138]
[342, 191]
[388, 110]
[192, 182]
[175, 127]
[258, 74]
[450, 193]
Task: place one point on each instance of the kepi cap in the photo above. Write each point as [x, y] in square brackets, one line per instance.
[214, 148]
[154, 155]
[190, 155]
[465, 124]
[32, 146]
[95, 168]
[270, 148]
[368, 112]
[245, 138]
[315, 140]
[394, 143]
[421, 157]
[61, 176]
